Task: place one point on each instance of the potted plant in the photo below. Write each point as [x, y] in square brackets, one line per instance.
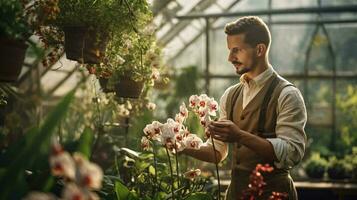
[338, 168]
[351, 163]
[19, 20]
[87, 26]
[354, 162]
[130, 68]
[316, 166]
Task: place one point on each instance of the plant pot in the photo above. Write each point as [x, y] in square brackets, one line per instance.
[12, 55]
[103, 84]
[315, 172]
[336, 173]
[84, 45]
[354, 173]
[127, 88]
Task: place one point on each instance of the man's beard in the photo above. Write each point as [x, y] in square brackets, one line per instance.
[244, 69]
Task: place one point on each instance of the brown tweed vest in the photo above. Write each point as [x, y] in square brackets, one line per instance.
[259, 117]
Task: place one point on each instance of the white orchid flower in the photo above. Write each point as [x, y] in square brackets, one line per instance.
[194, 100]
[203, 98]
[191, 174]
[203, 111]
[192, 141]
[183, 110]
[61, 162]
[151, 106]
[89, 174]
[212, 107]
[155, 74]
[145, 143]
[179, 118]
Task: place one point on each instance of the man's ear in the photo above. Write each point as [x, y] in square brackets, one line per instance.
[261, 49]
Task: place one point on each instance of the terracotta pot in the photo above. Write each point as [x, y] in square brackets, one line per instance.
[12, 55]
[84, 45]
[128, 88]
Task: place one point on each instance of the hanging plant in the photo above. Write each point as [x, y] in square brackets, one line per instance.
[19, 20]
[85, 27]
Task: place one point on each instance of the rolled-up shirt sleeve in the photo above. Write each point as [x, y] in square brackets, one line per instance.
[289, 146]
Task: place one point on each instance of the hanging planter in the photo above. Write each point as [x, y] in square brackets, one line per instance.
[127, 88]
[84, 45]
[12, 55]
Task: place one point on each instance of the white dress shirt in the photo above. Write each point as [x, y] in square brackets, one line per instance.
[289, 146]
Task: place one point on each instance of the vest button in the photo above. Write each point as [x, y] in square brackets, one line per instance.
[242, 118]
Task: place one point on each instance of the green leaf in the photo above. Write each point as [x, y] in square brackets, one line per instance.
[38, 141]
[160, 196]
[12, 152]
[152, 170]
[130, 153]
[133, 196]
[85, 142]
[200, 196]
[141, 165]
[121, 190]
[145, 156]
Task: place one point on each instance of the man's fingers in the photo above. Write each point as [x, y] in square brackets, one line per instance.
[217, 129]
[220, 123]
[217, 136]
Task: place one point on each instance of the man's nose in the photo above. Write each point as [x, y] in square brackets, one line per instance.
[231, 57]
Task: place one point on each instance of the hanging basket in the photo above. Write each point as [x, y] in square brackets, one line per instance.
[127, 88]
[12, 55]
[84, 45]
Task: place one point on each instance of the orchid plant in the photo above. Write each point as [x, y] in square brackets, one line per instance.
[80, 176]
[174, 136]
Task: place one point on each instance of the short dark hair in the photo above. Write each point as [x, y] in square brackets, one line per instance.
[254, 28]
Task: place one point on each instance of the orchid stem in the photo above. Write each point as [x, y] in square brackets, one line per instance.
[172, 176]
[216, 164]
[177, 169]
[155, 166]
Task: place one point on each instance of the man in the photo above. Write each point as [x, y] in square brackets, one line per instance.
[263, 116]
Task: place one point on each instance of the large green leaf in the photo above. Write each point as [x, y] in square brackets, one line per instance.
[121, 190]
[37, 143]
[85, 142]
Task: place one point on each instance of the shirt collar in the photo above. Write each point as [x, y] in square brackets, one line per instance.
[260, 79]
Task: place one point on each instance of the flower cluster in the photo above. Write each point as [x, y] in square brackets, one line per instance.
[256, 184]
[204, 106]
[81, 175]
[173, 134]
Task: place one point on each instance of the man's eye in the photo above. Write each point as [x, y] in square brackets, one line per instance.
[235, 50]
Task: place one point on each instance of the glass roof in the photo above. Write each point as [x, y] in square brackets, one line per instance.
[178, 35]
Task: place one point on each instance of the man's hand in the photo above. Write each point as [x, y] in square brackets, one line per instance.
[224, 130]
